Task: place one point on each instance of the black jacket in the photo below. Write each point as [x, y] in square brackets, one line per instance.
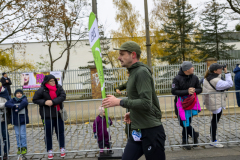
[7, 85]
[42, 95]
[181, 83]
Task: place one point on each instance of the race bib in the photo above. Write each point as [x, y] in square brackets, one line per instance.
[137, 135]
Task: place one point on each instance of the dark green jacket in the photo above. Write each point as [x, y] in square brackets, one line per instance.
[142, 99]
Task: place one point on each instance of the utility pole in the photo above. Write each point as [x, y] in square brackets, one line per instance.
[148, 45]
[94, 8]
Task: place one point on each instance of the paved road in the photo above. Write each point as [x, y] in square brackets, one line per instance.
[80, 137]
[227, 153]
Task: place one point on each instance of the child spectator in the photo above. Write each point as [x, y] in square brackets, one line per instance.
[4, 97]
[19, 118]
[100, 129]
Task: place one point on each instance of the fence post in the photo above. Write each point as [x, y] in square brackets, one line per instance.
[95, 83]
[210, 61]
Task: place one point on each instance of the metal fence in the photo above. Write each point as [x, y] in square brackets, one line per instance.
[77, 83]
[79, 136]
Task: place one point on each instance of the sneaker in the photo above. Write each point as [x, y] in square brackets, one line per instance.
[5, 156]
[217, 145]
[24, 150]
[187, 147]
[19, 150]
[196, 139]
[63, 154]
[50, 155]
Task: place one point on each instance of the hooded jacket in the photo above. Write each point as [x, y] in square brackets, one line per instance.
[18, 118]
[100, 127]
[7, 85]
[42, 95]
[181, 83]
[237, 83]
[142, 99]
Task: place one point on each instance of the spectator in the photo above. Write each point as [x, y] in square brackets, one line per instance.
[50, 98]
[4, 97]
[19, 118]
[122, 87]
[237, 82]
[185, 84]
[100, 129]
[215, 102]
[6, 82]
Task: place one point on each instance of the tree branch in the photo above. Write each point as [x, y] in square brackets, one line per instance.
[232, 7]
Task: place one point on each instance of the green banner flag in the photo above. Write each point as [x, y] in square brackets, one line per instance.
[96, 50]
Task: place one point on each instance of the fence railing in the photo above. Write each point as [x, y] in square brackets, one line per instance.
[77, 83]
[79, 139]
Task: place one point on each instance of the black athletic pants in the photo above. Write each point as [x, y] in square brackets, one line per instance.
[152, 145]
[213, 128]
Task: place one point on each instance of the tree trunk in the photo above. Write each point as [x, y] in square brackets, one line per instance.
[50, 55]
[216, 29]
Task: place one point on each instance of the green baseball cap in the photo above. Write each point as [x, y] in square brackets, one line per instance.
[130, 46]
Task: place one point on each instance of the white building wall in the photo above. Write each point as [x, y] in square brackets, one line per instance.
[80, 54]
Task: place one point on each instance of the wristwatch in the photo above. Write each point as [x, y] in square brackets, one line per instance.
[122, 103]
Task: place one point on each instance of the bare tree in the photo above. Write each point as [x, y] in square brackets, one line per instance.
[67, 25]
[234, 5]
[17, 16]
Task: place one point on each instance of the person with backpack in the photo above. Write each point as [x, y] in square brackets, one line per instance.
[184, 85]
[214, 97]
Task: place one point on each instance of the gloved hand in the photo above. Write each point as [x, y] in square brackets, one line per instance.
[95, 135]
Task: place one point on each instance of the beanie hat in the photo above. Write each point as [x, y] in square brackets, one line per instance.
[18, 90]
[215, 66]
[186, 65]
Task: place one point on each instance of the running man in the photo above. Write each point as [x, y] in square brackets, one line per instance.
[147, 133]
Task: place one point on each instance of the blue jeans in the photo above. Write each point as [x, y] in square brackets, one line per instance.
[49, 124]
[5, 137]
[21, 135]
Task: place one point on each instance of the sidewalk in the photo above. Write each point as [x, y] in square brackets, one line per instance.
[226, 153]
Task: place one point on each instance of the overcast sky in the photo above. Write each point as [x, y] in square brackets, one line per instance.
[106, 11]
[106, 14]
